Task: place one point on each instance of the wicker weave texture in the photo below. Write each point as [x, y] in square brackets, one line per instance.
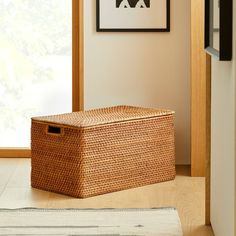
[102, 159]
[103, 116]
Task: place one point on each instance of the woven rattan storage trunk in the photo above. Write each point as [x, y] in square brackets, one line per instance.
[83, 154]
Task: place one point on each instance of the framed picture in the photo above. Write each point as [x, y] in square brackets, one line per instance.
[133, 15]
[218, 28]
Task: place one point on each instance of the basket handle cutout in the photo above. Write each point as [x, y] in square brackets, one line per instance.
[54, 130]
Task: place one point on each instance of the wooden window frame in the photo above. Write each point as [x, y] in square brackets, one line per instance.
[77, 74]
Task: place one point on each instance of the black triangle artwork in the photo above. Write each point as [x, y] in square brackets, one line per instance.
[132, 3]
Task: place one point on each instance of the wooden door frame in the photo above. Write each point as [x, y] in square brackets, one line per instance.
[200, 102]
[77, 74]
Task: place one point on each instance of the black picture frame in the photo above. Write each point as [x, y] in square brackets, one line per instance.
[99, 28]
[223, 32]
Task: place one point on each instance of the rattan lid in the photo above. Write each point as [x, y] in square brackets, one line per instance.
[103, 116]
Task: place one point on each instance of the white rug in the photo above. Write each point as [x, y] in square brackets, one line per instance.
[90, 222]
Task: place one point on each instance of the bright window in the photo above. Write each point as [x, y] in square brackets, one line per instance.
[35, 65]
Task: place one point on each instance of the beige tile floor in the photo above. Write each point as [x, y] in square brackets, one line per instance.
[185, 193]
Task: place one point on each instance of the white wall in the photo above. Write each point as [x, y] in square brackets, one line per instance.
[223, 145]
[143, 69]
